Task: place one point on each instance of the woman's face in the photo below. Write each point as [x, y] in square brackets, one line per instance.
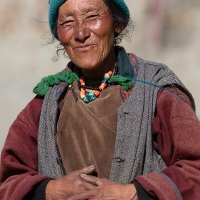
[85, 29]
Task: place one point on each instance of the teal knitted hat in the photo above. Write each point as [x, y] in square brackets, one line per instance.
[55, 4]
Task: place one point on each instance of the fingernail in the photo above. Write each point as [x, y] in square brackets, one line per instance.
[83, 175]
[92, 166]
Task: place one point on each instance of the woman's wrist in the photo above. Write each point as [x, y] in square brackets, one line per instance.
[50, 190]
[131, 192]
[40, 191]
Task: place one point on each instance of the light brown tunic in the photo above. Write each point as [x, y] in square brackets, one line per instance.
[86, 132]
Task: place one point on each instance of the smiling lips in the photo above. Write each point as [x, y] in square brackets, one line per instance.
[83, 48]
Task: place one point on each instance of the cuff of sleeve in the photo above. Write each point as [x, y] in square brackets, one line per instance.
[40, 190]
[141, 193]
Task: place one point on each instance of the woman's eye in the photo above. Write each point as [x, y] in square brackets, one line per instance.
[67, 23]
[92, 17]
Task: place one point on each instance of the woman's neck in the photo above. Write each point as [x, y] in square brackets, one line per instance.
[99, 71]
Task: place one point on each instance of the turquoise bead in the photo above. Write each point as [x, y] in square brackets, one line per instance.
[89, 97]
[86, 100]
[92, 98]
[90, 94]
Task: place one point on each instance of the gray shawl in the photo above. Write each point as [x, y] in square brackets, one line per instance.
[134, 153]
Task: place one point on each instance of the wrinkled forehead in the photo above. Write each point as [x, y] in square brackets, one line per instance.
[82, 7]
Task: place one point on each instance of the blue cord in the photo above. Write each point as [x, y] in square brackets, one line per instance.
[161, 87]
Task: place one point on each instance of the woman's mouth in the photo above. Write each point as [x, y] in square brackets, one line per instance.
[84, 48]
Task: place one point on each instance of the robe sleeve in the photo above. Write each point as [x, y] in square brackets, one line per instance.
[19, 158]
[176, 133]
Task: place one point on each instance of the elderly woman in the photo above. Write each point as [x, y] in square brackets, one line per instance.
[109, 126]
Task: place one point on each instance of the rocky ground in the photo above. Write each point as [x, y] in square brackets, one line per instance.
[26, 57]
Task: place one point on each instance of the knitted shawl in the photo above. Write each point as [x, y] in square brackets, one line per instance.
[134, 153]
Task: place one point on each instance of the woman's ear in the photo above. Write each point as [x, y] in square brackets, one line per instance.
[118, 30]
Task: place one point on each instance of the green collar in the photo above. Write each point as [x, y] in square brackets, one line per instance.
[125, 67]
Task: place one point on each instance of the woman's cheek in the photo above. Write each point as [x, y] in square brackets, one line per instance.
[104, 23]
[64, 35]
[98, 28]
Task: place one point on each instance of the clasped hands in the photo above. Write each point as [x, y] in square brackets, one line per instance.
[82, 185]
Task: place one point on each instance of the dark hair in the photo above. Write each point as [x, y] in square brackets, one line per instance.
[121, 20]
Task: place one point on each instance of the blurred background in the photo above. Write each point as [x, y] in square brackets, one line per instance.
[165, 31]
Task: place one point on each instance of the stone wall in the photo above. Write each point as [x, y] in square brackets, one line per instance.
[25, 57]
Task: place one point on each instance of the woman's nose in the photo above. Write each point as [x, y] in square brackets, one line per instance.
[81, 32]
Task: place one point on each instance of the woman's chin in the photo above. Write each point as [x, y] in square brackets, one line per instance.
[87, 64]
[88, 67]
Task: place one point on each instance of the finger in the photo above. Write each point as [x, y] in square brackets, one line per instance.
[78, 197]
[82, 196]
[86, 170]
[89, 170]
[89, 186]
[91, 179]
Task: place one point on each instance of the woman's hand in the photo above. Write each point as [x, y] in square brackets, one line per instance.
[70, 185]
[106, 190]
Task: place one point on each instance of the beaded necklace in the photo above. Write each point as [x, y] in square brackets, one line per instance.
[89, 93]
